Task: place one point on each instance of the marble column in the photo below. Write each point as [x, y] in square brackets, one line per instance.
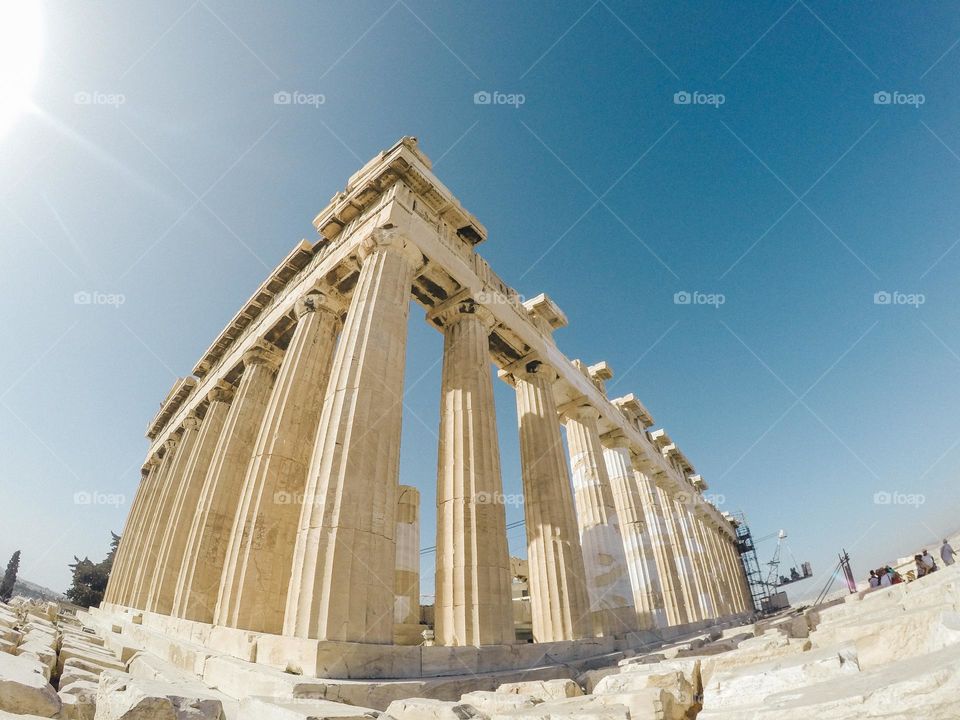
[198, 582]
[406, 609]
[638, 548]
[681, 549]
[256, 575]
[558, 592]
[612, 607]
[473, 583]
[709, 571]
[668, 562]
[712, 536]
[739, 576]
[121, 565]
[698, 579]
[140, 578]
[342, 585]
[155, 568]
[185, 503]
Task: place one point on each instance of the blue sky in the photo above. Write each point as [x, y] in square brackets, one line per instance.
[155, 166]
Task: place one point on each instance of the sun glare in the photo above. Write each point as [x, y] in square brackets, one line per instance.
[21, 42]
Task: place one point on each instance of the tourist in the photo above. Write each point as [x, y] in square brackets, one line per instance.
[894, 576]
[921, 568]
[946, 553]
[928, 561]
[874, 580]
[885, 579]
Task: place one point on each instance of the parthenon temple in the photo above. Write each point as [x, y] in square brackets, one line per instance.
[270, 522]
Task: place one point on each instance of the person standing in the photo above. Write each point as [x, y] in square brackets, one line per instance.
[928, 561]
[947, 553]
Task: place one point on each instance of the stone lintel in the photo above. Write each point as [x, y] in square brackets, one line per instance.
[295, 261]
[180, 391]
[698, 482]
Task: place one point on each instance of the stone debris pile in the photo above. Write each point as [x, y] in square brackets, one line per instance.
[891, 653]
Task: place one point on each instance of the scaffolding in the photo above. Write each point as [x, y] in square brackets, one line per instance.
[759, 589]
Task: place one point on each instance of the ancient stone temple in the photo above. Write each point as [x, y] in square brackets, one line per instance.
[270, 523]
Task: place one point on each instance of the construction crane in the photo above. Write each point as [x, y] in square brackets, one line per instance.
[774, 578]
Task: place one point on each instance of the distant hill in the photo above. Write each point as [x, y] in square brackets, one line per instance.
[33, 591]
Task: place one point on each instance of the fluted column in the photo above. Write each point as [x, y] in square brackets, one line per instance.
[709, 571]
[342, 585]
[407, 573]
[698, 589]
[558, 592]
[256, 574]
[608, 581]
[140, 579]
[661, 541]
[745, 599]
[681, 550]
[638, 548]
[725, 589]
[155, 567]
[185, 502]
[121, 564]
[474, 603]
[198, 581]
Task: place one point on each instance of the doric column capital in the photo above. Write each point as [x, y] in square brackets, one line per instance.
[150, 463]
[192, 421]
[530, 368]
[170, 444]
[389, 240]
[616, 439]
[322, 299]
[221, 393]
[263, 354]
[580, 411]
[462, 306]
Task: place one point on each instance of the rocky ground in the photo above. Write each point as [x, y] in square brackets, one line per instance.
[887, 653]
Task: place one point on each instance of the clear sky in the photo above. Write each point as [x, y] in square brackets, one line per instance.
[155, 171]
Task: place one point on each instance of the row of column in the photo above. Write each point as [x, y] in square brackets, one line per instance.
[276, 510]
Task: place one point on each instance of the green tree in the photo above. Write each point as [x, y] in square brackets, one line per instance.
[10, 578]
[89, 578]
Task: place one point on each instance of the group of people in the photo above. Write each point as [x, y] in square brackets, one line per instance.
[925, 564]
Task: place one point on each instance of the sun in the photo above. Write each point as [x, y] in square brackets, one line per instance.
[21, 42]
